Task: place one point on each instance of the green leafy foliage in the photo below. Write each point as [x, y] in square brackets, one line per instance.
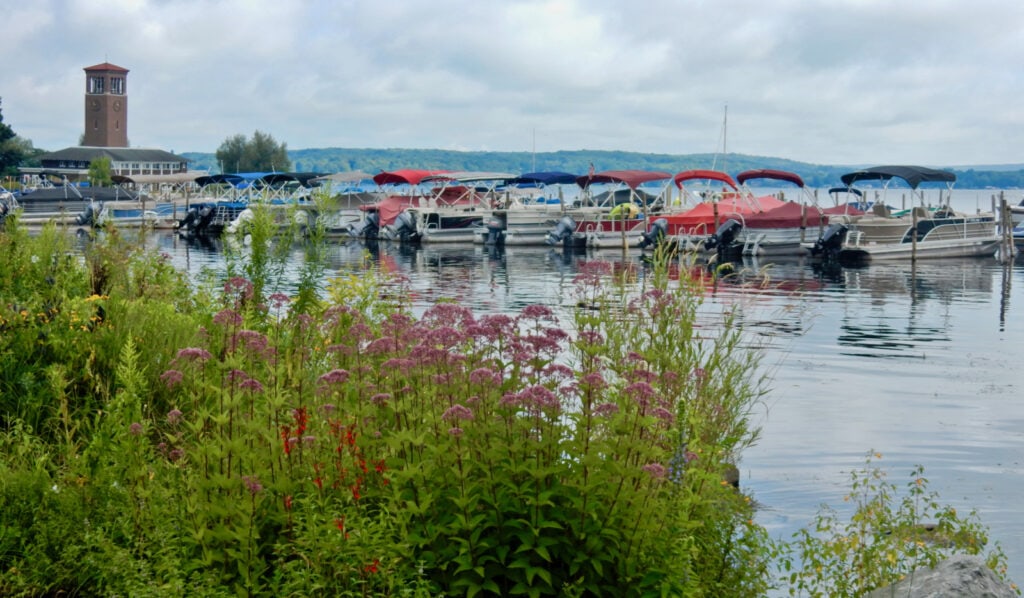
[13, 150]
[99, 172]
[158, 439]
[886, 538]
[259, 153]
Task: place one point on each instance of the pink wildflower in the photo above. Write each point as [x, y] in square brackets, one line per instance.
[252, 484]
[657, 470]
[228, 317]
[172, 378]
[193, 354]
[252, 385]
[456, 412]
[335, 376]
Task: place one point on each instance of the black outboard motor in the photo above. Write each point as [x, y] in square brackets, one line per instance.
[88, 216]
[721, 242]
[186, 223]
[830, 241]
[563, 231]
[404, 227]
[369, 228]
[204, 218]
[495, 231]
[659, 229]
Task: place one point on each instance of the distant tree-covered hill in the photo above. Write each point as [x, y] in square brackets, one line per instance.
[336, 159]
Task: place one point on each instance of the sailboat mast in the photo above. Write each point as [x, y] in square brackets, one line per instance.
[725, 123]
[725, 127]
[535, 149]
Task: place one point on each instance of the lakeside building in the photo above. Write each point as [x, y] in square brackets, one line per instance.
[106, 136]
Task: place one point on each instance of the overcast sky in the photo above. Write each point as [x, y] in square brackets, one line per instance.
[931, 82]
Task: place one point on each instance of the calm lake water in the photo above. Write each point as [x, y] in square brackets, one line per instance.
[916, 363]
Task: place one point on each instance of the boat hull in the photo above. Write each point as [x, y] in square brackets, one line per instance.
[889, 252]
[776, 241]
[880, 239]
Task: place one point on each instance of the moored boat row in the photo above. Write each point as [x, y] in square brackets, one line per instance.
[704, 211]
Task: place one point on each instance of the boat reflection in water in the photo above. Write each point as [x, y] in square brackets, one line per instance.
[906, 309]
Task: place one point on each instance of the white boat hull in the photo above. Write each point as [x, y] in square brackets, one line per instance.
[776, 241]
[876, 239]
[985, 247]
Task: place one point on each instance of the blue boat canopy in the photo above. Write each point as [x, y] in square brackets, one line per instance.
[913, 175]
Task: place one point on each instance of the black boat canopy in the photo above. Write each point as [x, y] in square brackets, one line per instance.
[913, 175]
[544, 178]
[853, 190]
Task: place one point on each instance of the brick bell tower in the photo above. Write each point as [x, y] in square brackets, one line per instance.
[106, 106]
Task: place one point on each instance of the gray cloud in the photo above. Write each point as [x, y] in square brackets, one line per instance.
[849, 81]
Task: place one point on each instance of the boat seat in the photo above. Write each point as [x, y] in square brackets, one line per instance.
[921, 213]
[880, 209]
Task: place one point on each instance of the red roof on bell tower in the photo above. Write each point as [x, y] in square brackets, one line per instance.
[106, 66]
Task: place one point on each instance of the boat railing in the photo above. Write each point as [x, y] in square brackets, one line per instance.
[854, 237]
[224, 215]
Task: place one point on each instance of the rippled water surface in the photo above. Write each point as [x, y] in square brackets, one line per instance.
[917, 363]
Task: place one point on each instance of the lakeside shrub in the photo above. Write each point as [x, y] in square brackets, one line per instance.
[163, 440]
[888, 535]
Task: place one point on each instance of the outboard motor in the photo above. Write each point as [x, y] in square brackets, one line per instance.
[830, 241]
[368, 228]
[659, 229]
[723, 238]
[404, 228]
[204, 218]
[495, 231]
[189, 220]
[88, 216]
[563, 231]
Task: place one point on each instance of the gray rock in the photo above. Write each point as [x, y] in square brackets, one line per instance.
[956, 577]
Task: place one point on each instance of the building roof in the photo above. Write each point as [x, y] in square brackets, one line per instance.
[116, 154]
[147, 179]
[105, 66]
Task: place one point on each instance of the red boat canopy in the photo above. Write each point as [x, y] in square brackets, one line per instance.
[631, 178]
[714, 175]
[469, 176]
[767, 173]
[788, 215]
[408, 176]
[390, 207]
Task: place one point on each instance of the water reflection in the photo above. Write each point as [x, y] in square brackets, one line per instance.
[905, 309]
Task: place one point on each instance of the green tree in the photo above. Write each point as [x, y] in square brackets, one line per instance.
[11, 150]
[260, 153]
[99, 172]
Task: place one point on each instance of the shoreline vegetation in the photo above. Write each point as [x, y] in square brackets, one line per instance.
[334, 159]
[224, 438]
